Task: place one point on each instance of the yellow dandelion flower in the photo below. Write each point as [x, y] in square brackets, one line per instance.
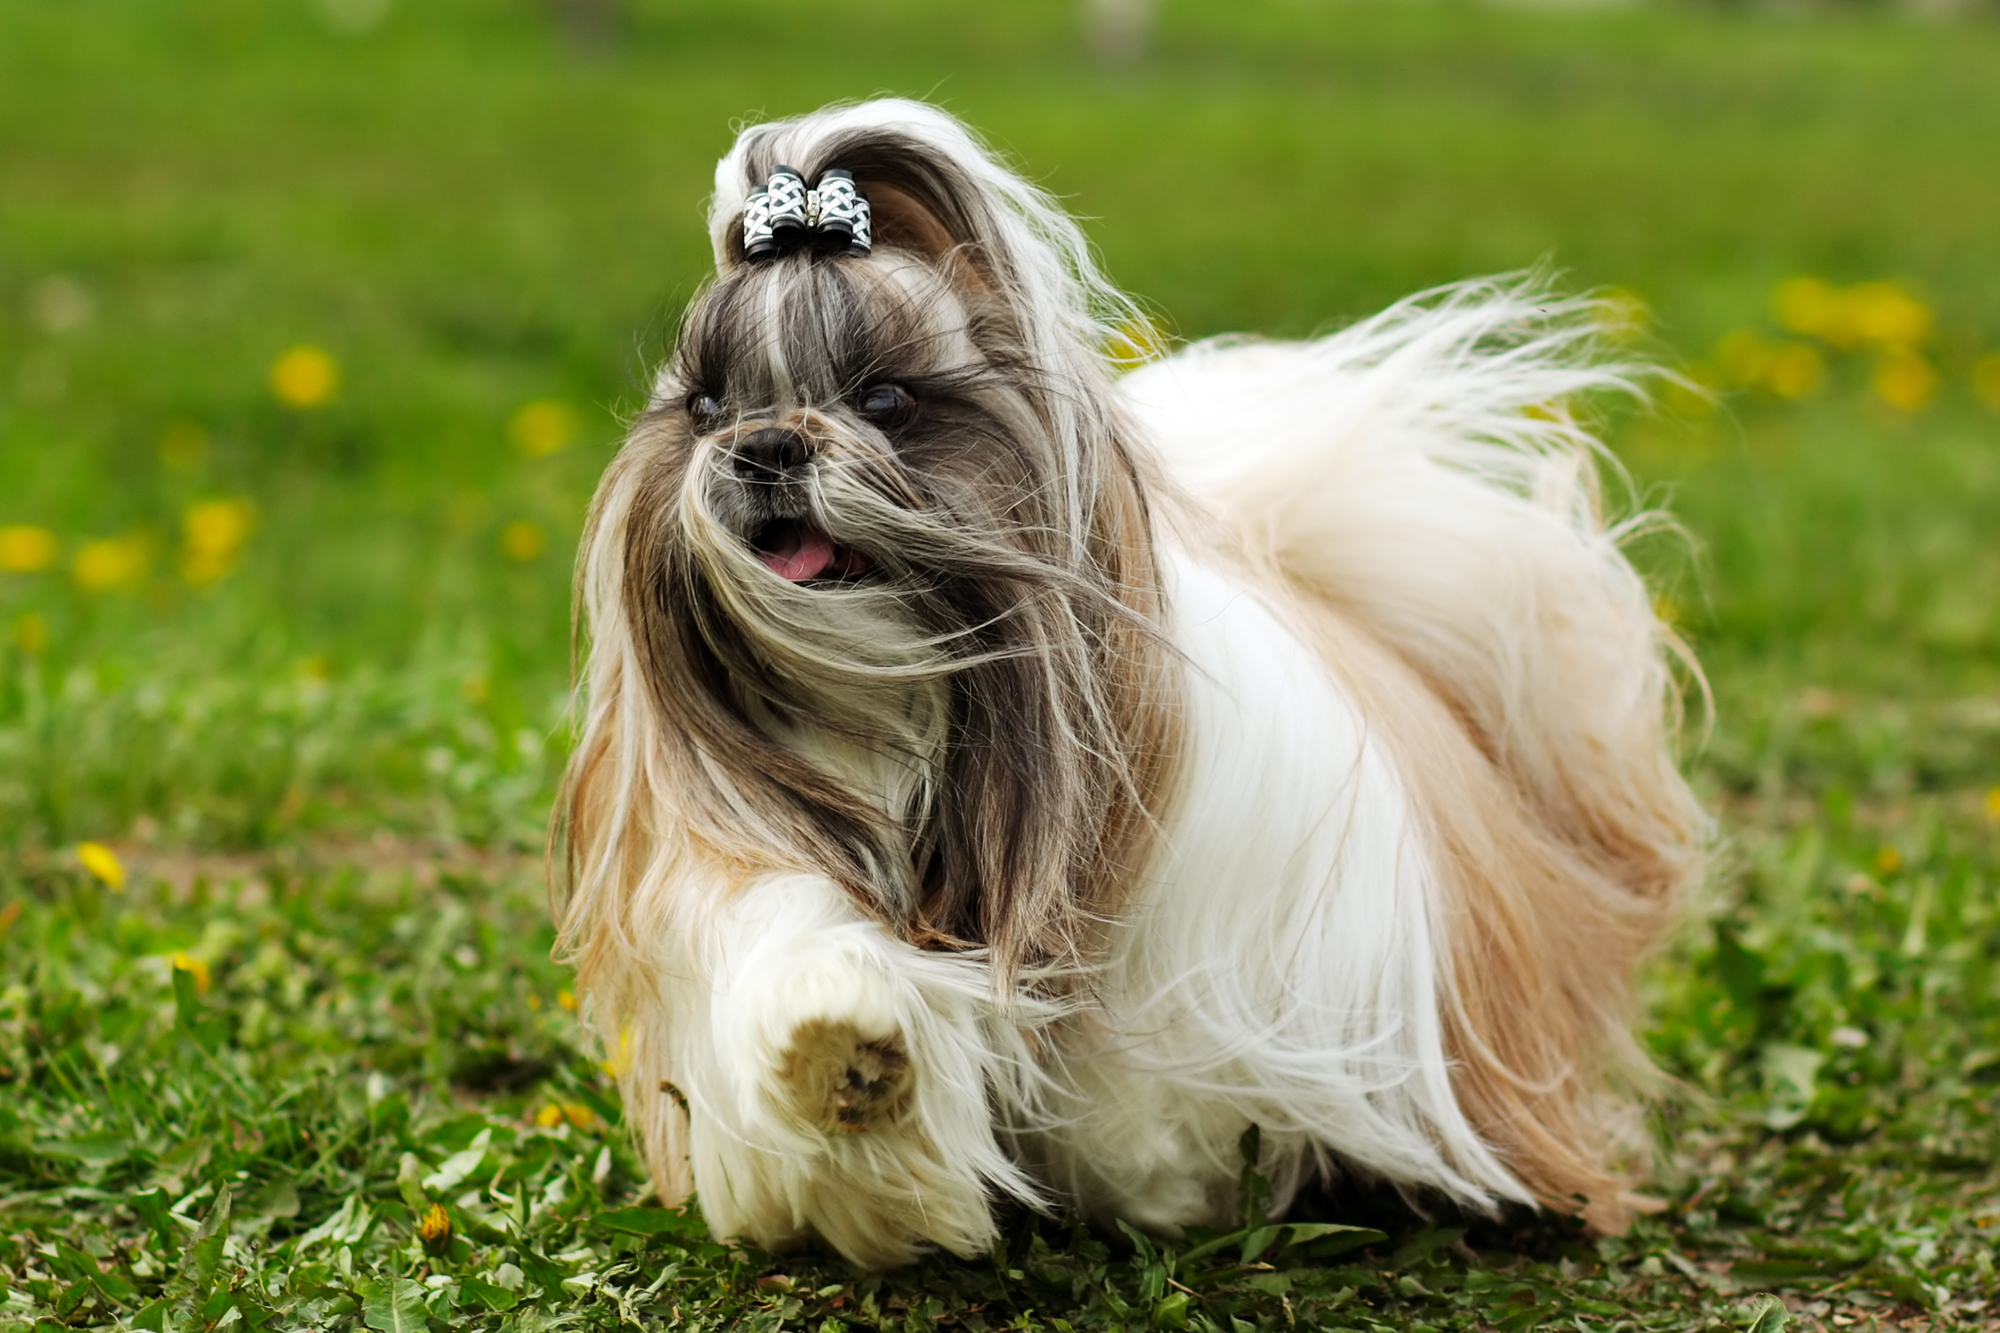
[1744, 358]
[1135, 341]
[111, 562]
[621, 1059]
[26, 549]
[522, 541]
[573, 1113]
[1888, 860]
[1691, 393]
[305, 377]
[194, 967]
[214, 532]
[1882, 314]
[183, 445]
[434, 1231]
[1795, 370]
[566, 999]
[31, 634]
[1986, 380]
[1993, 804]
[1904, 380]
[1621, 314]
[1811, 306]
[542, 427]
[103, 863]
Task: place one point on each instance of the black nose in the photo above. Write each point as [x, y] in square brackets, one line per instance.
[770, 453]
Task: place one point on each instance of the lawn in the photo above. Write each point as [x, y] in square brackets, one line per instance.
[317, 321]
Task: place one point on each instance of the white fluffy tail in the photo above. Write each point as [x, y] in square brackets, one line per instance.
[1420, 484]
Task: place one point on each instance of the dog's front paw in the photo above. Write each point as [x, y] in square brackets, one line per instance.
[835, 1057]
[840, 1079]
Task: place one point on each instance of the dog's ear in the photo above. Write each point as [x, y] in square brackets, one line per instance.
[903, 223]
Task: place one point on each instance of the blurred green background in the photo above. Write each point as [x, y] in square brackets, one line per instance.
[318, 319]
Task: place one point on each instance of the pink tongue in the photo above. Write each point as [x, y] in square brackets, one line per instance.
[797, 552]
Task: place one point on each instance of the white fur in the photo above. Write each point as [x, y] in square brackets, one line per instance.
[1280, 965]
[1284, 959]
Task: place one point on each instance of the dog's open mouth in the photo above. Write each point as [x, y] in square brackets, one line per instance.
[800, 552]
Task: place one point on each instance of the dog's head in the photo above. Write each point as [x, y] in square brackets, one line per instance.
[873, 573]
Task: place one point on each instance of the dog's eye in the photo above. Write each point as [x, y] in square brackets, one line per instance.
[704, 411]
[888, 404]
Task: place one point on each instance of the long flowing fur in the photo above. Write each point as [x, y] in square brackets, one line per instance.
[1276, 735]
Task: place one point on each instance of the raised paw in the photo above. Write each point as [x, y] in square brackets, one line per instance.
[844, 1082]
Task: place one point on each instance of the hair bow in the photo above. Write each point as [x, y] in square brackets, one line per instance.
[785, 216]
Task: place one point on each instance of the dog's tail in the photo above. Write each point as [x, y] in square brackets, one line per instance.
[1422, 484]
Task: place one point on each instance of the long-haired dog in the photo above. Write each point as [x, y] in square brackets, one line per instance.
[1003, 779]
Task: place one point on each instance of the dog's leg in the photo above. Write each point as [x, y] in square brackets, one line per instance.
[839, 1063]
[838, 1079]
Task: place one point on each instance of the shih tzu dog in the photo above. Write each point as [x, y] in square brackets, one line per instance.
[1001, 777]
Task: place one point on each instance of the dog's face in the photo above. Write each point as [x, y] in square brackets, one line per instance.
[835, 422]
[882, 562]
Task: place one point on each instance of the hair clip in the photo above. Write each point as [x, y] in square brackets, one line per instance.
[785, 216]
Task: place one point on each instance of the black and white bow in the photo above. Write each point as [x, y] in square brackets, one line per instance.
[784, 216]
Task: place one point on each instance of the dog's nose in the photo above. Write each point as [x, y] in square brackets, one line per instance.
[770, 452]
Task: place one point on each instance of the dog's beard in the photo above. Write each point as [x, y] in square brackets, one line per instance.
[959, 592]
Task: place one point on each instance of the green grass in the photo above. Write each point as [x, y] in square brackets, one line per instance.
[327, 769]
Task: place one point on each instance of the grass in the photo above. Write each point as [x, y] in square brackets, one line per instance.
[318, 724]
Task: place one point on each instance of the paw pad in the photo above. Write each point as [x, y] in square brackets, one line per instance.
[842, 1082]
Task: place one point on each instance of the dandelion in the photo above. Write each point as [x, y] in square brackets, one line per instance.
[1810, 306]
[1888, 860]
[1691, 393]
[26, 549]
[542, 427]
[103, 864]
[183, 445]
[1882, 314]
[1744, 357]
[214, 532]
[1787, 369]
[194, 967]
[522, 541]
[1795, 370]
[305, 377]
[574, 1113]
[434, 1231]
[1135, 342]
[31, 634]
[621, 1059]
[1904, 380]
[567, 998]
[111, 562]
[1621, 314]
[1993, 804]
[1986, 380]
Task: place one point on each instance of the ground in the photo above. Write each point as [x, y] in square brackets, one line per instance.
[316, 324]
